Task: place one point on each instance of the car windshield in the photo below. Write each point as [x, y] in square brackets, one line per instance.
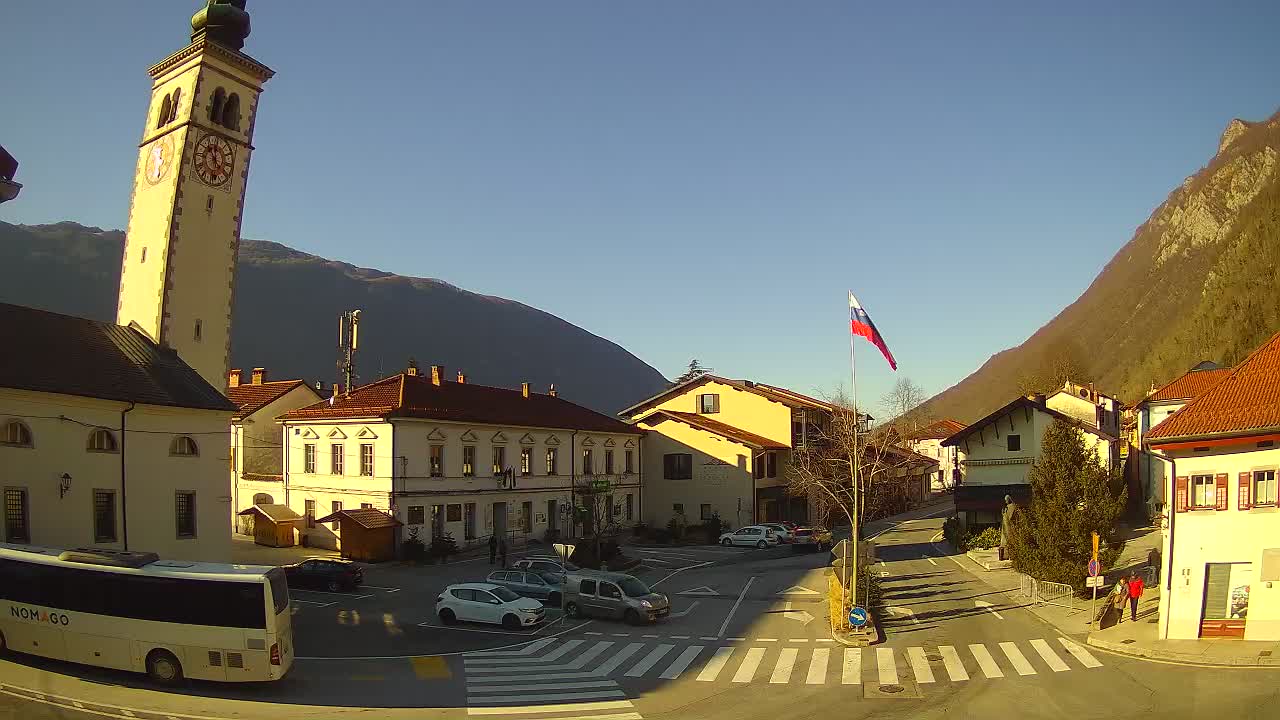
[634, 588]
[504, 594]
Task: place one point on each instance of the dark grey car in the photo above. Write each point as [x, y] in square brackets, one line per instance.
[540, 586]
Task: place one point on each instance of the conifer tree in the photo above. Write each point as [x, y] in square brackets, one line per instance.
[1072, 496]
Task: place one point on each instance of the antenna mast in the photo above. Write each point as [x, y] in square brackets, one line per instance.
[348, 343]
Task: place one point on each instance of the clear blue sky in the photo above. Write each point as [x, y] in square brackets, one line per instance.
[686, 178]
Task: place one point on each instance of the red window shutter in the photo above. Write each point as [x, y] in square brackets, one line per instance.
[1221, 481]
[1180, 493]
[1246, 483]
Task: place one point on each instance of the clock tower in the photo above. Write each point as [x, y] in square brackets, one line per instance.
[178, 273]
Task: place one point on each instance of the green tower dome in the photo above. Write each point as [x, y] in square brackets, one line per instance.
[222, 21]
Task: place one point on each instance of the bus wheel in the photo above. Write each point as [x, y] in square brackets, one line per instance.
[163, 667]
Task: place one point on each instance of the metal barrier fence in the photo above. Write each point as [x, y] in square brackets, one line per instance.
[1047, 593]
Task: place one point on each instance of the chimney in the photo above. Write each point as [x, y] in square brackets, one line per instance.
[552, 392]
[524, 389]
[259, 376]
[462, 379]
[437, 374]
[337, 389]
[233, 378]
[320, 386]
[412, 370]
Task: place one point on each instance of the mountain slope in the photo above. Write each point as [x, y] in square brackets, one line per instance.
[1198, 281]
[287, 304]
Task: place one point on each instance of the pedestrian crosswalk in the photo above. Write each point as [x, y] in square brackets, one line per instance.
[554, 670]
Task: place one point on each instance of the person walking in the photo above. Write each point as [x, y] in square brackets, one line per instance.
[1135, 591]
[493, 548]
[1119, 598]
[502, 552]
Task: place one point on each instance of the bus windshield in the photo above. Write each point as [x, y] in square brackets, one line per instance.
[279, 590]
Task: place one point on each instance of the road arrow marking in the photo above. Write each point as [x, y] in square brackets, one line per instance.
[930, 559]
[704, 590]
[896, 611]
[804, 616]
[687, 610]
[798, 590]
[987, 606]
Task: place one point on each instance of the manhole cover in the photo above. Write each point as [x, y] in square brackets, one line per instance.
[891, 689]
[933, 657]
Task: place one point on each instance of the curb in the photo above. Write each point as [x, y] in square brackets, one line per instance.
[1139, 651]
[870, 636]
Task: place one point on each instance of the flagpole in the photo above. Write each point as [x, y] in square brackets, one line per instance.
[853, 471]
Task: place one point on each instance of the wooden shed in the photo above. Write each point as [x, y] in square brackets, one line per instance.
[273, 525]
[365, 534]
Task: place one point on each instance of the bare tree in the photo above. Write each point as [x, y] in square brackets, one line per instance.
[902, 398]
[595, 513]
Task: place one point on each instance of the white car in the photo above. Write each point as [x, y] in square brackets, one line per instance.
[751, 535]
[488, 603]
[783, 533]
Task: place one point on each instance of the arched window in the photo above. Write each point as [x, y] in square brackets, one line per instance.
[173, 111]
[184, 445]
[101, 440]
[165, 107]
[231, 113]
[215, 108]
[16, 434]
[263, 499]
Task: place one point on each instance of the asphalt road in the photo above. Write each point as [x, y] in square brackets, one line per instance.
[747, 640]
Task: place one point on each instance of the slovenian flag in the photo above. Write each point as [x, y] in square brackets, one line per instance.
[861, 324]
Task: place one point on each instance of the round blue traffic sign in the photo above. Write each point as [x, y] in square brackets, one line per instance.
[1093, 568]
[858, 616]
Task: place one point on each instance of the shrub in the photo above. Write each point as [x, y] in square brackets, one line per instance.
[714, 527]
[951, 531]
[442, 546]
[989, 537]
[411, 548]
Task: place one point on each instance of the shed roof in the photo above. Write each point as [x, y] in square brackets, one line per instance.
[368, 518]
[274, 513]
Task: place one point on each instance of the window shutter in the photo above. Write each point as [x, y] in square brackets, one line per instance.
[1180, 493]
[1221, 481]
[1246, 481]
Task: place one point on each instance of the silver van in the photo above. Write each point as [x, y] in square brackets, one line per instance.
[594, 593]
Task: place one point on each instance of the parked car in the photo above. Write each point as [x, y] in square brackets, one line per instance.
[488, 603]
[548, 564]
[612, 595]
[782, 531]
[329, 574]
[757, 535]
[811, 539]
[537, 585]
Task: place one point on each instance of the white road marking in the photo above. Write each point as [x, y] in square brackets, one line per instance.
[1016, 657]
[987, 606]
[349, 596]
[529, 649]
[985, 661]
[736, 638]
[648, 636]
[584, 695]
[680, 663]
[818, 667]
[535, 665]
[930, 559]
[379, 587]
[592, 632]
[886, 667]
[1079, 653]
[1049, 656]
[679, 570]
[798, 640]
[716, 664]
[852, 673]
[313, 602]
[734, 609]
[707, 637]
[703, 590]
[907, 612]
[486, 679]
[679, 637]
[568, 707]
[782, 668]
[798, 590]
[649, 660]
[656, 560]
[620, 657]
[687, 610]
[766, 640]
[620, 634]
[581, 685]
[747, 669]
[951, 660]
[919, 665]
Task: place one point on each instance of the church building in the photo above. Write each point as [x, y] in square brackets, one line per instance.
[115, 435]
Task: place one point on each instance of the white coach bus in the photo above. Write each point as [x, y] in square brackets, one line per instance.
[132, 611]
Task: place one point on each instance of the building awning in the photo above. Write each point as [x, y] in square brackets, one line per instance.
[275, 513]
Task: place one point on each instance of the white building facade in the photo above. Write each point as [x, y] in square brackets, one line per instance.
[452, 457]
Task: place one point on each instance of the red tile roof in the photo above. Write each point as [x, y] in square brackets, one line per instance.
[252, 398]
[939, 430]
[1189, 386]
[54, 353]
[702, 422]
[1245, 402]
[368, 518]
[414, 396]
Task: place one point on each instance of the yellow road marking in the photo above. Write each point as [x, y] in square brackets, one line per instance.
[431, 668]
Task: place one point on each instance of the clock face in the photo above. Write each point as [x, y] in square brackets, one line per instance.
[159, 159]
[213, 160]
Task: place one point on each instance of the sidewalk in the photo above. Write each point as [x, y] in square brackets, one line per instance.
[1139, 639]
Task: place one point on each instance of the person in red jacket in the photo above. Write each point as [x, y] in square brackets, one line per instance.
[1135, 591]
